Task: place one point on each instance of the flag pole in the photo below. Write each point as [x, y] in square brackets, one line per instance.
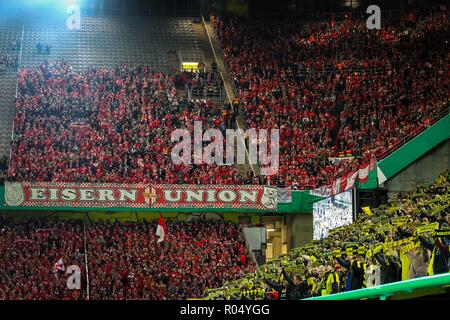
[86, 260]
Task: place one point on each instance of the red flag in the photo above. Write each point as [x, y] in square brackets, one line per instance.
[344, 182]
[161, 230]
[59, 266]
[336, 187]
[351, 178]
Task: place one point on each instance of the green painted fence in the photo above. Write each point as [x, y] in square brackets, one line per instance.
[391, 290]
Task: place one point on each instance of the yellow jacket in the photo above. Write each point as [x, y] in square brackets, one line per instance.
[331, 279]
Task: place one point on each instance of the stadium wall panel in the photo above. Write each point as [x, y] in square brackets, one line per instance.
[424, 170]
[414, 149]
[300, 229]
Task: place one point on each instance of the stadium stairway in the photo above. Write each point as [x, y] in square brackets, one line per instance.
[7, 94]
[219, 97]
[209, 43]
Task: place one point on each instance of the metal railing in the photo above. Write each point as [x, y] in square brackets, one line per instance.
[17, 92]
[230, 73]
[208, 92]
[198, 59]
[180, 61]
[223, 79]
[233, 86]
[334, 69]
[86, 260]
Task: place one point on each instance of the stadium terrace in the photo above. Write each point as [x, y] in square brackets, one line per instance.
[136, 162]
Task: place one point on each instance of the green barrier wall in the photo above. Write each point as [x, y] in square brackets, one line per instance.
[387, 291]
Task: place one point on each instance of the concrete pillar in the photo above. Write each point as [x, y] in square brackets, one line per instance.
[300, 230]
[276, 245]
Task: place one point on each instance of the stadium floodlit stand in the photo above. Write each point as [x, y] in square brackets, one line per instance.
[346, 89]
[90, 122]
[102, 42]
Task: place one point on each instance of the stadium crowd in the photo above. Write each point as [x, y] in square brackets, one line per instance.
[407, 238]
[126, 263]
[335, 87]
[124, 259]
[114, 125]
[200, 83]
[107, 125]
[28, 254]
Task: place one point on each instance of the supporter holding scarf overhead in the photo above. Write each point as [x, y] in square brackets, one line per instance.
[296, 289]
[357, 269]
[440, 259]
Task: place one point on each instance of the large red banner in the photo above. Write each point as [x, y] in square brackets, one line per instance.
[87, 195]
